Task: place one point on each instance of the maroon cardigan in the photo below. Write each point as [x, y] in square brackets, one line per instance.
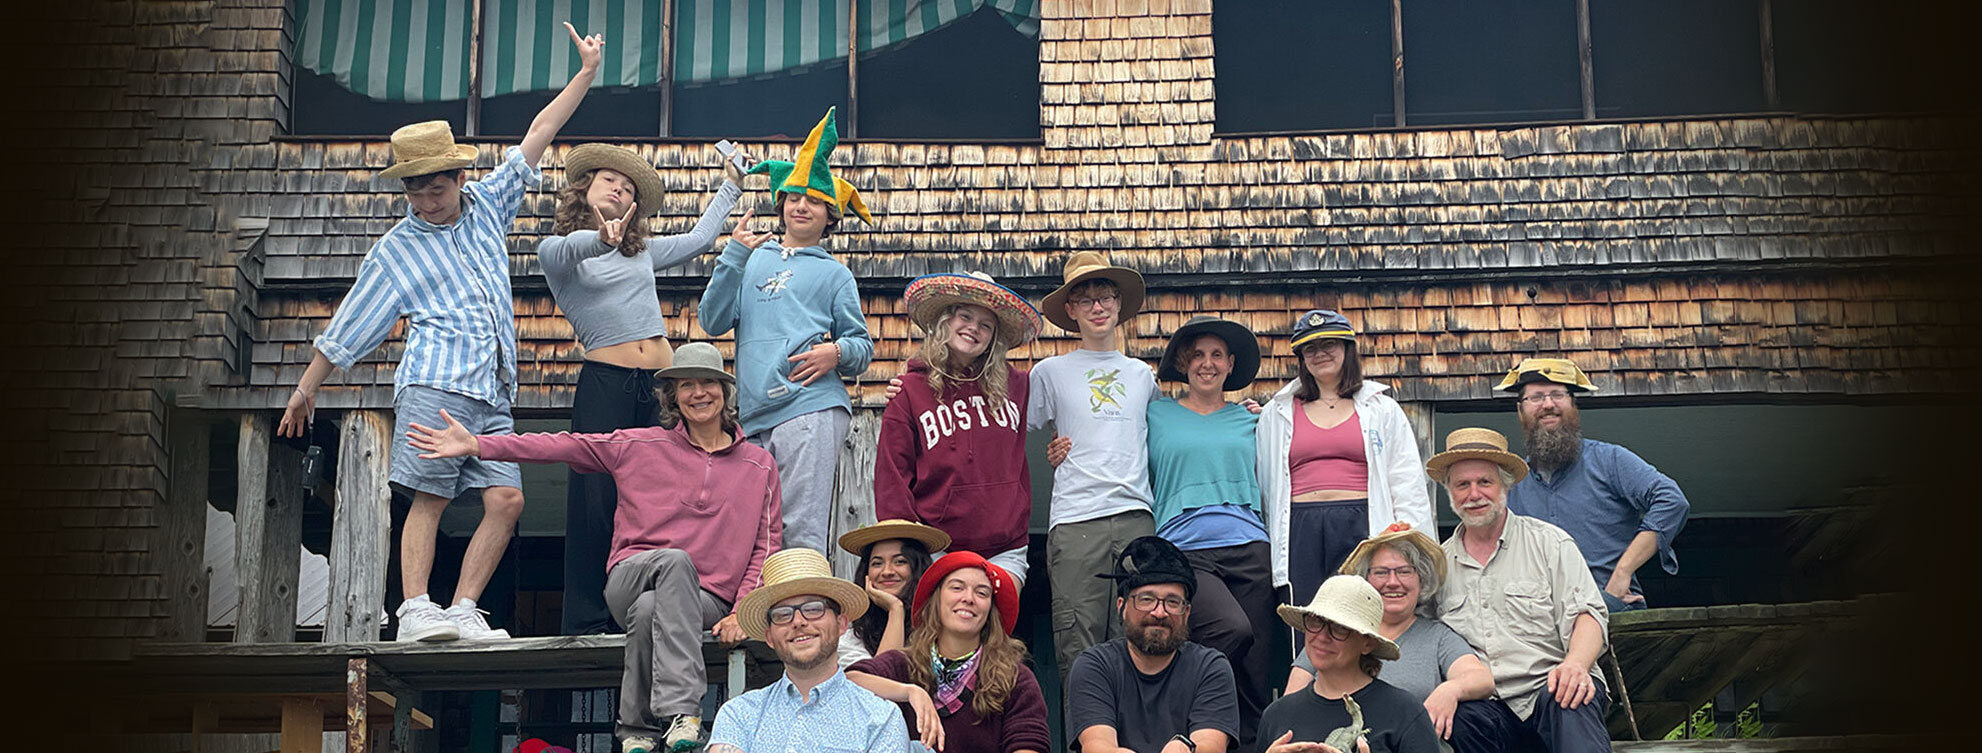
[1021, 726]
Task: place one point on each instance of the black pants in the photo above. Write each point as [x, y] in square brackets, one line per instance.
[609, 398]
[1491, 727]
[1320, 536]
[1233, 613]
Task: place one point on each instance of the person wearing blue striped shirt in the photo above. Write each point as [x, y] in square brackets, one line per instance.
[445, 267]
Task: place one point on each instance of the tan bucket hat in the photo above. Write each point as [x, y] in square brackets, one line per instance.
[1558, 370]
[1475, 444]
[428, 147]
[796, 572]
[856, 541]
[1348, 601]
[1088, 265]
[1399, 532]
[585, 158]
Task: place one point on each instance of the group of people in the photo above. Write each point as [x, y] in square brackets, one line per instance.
[1180, 527]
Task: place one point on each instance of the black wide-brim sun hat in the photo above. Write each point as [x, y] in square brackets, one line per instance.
[1241, 342]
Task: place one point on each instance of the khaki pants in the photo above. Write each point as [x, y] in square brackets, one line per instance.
[1083, 605]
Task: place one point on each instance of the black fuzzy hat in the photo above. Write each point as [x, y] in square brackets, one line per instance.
[1152, 559]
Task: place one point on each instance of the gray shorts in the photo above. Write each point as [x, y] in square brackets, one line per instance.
[448, 477]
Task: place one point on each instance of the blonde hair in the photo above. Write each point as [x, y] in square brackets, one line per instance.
[992, 374]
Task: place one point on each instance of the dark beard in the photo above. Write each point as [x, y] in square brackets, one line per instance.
[1552, 449]
[1150, 644]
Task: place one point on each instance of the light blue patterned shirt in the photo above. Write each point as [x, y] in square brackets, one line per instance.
[452, 281]
[840, 717]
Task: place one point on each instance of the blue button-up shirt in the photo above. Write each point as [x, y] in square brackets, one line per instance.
[1603, 500]
[840, 717]
[452, 281]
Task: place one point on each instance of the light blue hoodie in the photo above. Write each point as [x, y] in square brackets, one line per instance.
[781, 302]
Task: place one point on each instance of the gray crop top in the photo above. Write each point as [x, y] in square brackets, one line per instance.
[609, 297]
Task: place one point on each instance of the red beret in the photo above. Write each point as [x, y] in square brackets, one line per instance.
[1004, 592]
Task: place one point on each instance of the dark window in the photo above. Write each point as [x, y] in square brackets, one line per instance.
[324, 107]
[1290, 65]
[1490, 61]
[1676, 57]
[605, 112]
[784, 104]
[1844, 56]
[927, 88]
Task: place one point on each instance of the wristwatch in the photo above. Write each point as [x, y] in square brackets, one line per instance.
[1188, 743]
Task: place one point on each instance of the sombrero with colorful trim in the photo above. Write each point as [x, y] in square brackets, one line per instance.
[809, 173]
[928, 296]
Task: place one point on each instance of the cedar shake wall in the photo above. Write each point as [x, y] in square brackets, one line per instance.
[187, 258]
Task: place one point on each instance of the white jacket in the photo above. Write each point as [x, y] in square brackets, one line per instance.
[1398, 486]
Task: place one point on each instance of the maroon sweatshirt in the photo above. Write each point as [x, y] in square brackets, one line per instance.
[1020, 726]
[956, 463]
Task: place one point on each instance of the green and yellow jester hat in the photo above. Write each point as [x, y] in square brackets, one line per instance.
[810, 174]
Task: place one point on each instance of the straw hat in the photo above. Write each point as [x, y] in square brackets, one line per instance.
[1004, 590]
[796, 572]
[1558, 370]
[1348, 601]
[856, 541]
[1399, 532]
[1475, 444]
[423, 148]
[647, 187]
[696, 361]
[1243, 345]
[1088, 265]
[929, 295]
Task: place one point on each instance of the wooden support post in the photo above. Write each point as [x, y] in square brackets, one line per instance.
[356, 696]
[206, 721]
[736, 677]
[302, 725]
[361, 529]
[853, 486]
[268, 519]
[1424, 424]
[181, 543]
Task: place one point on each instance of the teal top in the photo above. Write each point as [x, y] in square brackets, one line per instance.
[1196, 461]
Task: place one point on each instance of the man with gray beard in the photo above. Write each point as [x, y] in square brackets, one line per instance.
[1153, 690]
[1620, 510]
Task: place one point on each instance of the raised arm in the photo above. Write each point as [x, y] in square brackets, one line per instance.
[669, 250]
[545, 127]
[720, 301]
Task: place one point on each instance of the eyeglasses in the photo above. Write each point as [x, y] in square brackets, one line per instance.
[1081, 303]
[1379, 573]
[1314, 624]
[1148, 602]
[1544, 397]
[812, 610]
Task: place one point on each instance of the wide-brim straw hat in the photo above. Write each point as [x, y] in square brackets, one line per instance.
[1239, 341]
[1475, 444]
[1349, 601]
[1088, 265]
[696, 361]
[796, 572]
[1399, 533]
[647, 187]
[857, 540]
[423, 148]
[928, 296]
[1558, 370]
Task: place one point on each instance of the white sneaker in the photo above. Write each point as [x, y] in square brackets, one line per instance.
[637, 744]
[685, 734]
[471, 626]
[425, 621]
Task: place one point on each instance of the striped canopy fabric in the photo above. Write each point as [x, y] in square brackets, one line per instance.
[417, 50]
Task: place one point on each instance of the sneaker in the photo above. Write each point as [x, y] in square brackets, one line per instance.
[424, 621]
[469, 621]
[685, 734]
[636, 744]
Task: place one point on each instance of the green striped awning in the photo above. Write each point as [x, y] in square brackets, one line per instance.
[417, 50]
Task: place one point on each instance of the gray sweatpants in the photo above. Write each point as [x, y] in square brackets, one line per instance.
[807, 450]
[656, 595]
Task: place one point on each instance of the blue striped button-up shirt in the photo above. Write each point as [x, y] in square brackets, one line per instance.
[840, 717]
[452, 281]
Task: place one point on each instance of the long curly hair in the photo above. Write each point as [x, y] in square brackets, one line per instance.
[998, 657]
[573, 214]
[874, 622]
[990, 371]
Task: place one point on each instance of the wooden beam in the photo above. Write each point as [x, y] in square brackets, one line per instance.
[361, 527]
[268, 519]
[1397, 62]
[853, 486]
[181, 542]
[1587, 72]
[1423, 416]
[302, 725]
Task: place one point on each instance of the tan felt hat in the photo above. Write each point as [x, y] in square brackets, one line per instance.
[1558, 370]
[1088, 265]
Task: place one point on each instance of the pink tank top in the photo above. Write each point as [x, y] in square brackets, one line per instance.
[1322, 458]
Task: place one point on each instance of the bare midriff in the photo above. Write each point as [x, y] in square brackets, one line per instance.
[1329, 495]
[651, 353]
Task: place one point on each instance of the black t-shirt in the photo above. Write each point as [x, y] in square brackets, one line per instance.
[1397, 722]
[1195, 692]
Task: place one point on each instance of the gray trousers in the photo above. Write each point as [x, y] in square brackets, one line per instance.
[807, 449]
[1083, 605]
[656, 595]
